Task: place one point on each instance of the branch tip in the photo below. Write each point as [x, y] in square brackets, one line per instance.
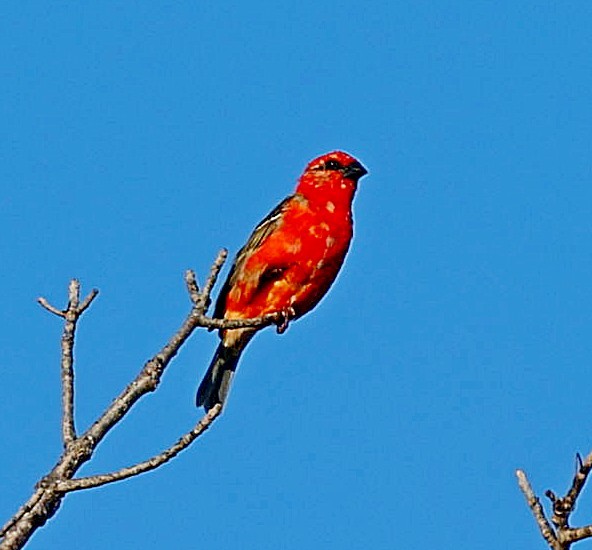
[204, 298]
[45, 304]
[74, 284]
[88, 300]
[192, 286]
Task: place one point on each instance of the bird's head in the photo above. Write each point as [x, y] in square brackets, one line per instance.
[335, 173]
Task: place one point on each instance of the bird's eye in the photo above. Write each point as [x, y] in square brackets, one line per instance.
[329, 165]
[333, 165]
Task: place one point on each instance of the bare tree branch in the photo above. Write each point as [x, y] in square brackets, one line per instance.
[257, 322]
[537, 511]
[71, 314]
[87, 301]
[50, 308]
[51, 489]
[204, 303]
[562, 536]
[67, 370]
[24, 509]
[579, 480]
[147, 465]
[192, 287]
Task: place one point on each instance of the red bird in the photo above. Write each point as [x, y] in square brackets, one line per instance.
[288, 264]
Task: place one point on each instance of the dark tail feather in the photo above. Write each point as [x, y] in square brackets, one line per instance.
[215, 385]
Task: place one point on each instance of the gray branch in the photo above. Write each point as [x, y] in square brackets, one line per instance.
[78, 484]
[51, 489]
[559, 536]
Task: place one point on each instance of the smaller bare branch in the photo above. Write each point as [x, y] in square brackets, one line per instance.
[67, 363]
[150, 464]
[256, 322]
[73, 296]
[573, 535]
[87, 301]
[579, 480]
[192, 288]
[44, 303]
[71, 315]
[537, 511]
[204, 301]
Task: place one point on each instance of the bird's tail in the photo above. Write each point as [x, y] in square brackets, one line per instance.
[215, 385]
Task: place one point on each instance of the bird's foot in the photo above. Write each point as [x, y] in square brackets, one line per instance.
[284, 317]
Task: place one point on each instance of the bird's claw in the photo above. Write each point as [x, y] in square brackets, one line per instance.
[284, 318]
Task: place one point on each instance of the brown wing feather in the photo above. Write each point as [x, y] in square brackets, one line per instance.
[267, 226]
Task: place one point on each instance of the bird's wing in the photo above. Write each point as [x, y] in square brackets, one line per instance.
[266, 227]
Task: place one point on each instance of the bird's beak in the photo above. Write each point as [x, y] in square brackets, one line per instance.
[354, 171]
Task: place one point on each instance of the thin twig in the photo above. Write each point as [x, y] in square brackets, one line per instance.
[50, 308]
[537, 511]
[67, 363]
[71, 314]
[204, 303]
[147, 465]
[192, 288]
[579, 481]
[256, 322]
[87, 301]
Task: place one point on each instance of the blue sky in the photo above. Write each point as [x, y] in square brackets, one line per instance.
[140, 137]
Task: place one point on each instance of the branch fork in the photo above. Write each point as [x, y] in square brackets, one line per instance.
[78, 449]
[559, 535]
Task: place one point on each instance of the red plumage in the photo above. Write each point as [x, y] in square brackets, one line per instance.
[289, 262]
